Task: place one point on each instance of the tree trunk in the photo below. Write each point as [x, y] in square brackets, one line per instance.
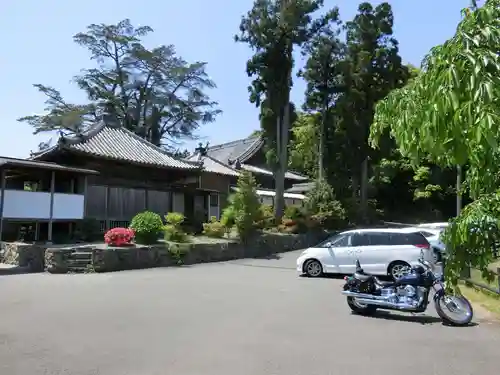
[283, 164]
[355, 187]
[321, 145]
[364, 190]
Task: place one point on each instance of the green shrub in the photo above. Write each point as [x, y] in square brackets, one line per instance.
[246, 205]
[178, 252]
[173, 230]
[293, 212]
[266, 217]
[322, 208]
[214, 228]
[174, 233]
[228, 219]
[174, 218]
[147, 226]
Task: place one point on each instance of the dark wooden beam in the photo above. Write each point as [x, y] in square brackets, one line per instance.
[51, 215]
[2, 199]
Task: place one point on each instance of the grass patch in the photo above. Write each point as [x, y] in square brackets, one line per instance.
[485, 299]
[476, 277]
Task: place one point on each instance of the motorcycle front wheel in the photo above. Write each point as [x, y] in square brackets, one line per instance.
[454, 310]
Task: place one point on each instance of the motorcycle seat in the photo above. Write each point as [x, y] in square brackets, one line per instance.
[362, 276]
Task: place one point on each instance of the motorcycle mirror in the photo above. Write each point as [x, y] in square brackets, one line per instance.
[328, 244]
[357, 264]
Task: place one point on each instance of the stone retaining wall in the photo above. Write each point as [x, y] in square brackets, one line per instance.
[103, 258]
[24, 255]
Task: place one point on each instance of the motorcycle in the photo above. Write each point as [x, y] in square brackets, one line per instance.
[409, 293]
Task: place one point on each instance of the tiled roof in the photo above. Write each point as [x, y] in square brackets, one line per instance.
[213, 166]
[117, 143]
[241, 149]
[301, 187]
[24, 163]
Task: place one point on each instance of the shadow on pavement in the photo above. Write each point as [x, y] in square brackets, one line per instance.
[269, 257]
[6, 270]
[421, 319]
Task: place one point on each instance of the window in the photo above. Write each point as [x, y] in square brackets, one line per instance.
[342, 241]
[371, 239]
[339, 240]
[214, 200]
[361, 239]
[408, 239]
[379, 239]
[426, 234]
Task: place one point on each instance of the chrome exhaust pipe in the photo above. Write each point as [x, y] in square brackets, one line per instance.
[369, 299]
[363, 295]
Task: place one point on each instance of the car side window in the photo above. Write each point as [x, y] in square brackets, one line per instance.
[343, 241]
[397, 239]
[379, 239]
[361, 239]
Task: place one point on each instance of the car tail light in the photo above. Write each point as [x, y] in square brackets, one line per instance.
[422, 246]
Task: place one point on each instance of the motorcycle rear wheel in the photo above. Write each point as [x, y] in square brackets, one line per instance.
[447, 306]
[360, 308]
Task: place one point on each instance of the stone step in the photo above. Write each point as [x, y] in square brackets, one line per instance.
[79, 262]
[80, 255]
[77, 269]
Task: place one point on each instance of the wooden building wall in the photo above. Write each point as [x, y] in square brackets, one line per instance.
[122, 203]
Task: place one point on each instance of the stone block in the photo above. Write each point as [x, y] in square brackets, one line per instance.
[29, 256]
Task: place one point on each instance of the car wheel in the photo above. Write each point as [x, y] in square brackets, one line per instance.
[313, 268]
[398, 269]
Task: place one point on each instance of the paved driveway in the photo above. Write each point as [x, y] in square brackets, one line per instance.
[236, 318]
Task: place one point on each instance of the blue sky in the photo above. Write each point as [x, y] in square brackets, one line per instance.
[38, 48]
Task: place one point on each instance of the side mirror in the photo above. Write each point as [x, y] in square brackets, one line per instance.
[328, 244]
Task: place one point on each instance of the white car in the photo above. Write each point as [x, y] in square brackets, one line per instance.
[433, 235]
[380, 251]
[439, 226]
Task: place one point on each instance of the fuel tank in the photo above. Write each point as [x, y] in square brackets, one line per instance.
[410, 279]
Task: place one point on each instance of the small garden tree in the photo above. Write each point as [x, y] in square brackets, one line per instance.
[322, 206]
[173, 230]
[246, 205]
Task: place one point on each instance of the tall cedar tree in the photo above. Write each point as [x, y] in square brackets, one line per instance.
[156, 93]
[323, 75]
[272, 28]
[373, 69]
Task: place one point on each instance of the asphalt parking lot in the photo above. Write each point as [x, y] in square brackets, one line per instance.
[251, 316]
